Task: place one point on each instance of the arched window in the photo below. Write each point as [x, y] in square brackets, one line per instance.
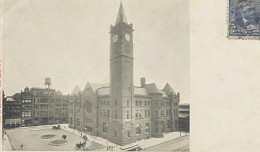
[138, 129]
[147, 127]
[104, 127]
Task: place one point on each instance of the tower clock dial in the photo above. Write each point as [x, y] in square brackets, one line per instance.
[127, 37]
[115, 38]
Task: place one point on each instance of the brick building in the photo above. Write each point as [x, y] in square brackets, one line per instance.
[41, 106]
[184, 117]
[122, 112]
[11, 112]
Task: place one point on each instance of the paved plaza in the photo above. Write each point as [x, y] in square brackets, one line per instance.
[31, 139]
[38, 138]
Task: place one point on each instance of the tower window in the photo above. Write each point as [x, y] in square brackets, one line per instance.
[127, 114]
[115, 102]
[127, 102]
[115, 114]
[128, 134]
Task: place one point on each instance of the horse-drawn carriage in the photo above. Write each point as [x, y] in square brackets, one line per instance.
[80, 145]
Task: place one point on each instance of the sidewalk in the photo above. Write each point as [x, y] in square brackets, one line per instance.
[6, 144]
[144, 143]
[90, 138]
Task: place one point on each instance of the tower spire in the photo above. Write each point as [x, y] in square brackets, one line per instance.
[121, 15]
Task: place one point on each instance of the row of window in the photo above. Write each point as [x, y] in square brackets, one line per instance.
[137, 129]
[137, 103]
[104, 113]
[165, 112]
[142, 103]
[26, 114]
[26, 101]
[138, 113]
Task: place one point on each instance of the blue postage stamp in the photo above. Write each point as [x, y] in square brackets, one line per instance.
[244, 19]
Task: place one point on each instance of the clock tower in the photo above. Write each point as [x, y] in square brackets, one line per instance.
[121, 121]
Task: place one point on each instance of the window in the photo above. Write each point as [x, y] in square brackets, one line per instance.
[140, 115]
[138, 129]
[108, 102]
[115, 114]
[140, 103]
[156, 113]
[127, 114]
[127, 103]
[101, 112]
[108, 113]
[168, 124]
[115, 102]
[136, 103]
[78, 122]
[128, 134]
[147, 127]
[136, 114]
[145, 103]
[115, 134]
[104, 127]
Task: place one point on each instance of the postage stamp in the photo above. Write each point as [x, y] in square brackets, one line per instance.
[244, 19]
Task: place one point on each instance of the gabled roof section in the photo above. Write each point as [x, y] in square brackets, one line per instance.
[121, 15]
[76, 90]
[168, 89]
[140, 91]
[152, 88]
[94, 86]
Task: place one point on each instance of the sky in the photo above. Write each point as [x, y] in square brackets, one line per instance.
[69, 41]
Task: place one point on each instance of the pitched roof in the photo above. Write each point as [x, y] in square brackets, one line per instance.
[152, 88]
[94, 86]
[140, 91]
[121, 15]
[168, 89]
[76, 90]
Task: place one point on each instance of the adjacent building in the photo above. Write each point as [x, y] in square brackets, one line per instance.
[39, 106]
[120, 111]
[11, 112]
[184, 117]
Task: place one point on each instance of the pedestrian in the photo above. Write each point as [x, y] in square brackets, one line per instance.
[80, 134]
[22, 146]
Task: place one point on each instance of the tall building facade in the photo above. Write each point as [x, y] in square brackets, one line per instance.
[11, 112]
[122, 112]
[39, 106]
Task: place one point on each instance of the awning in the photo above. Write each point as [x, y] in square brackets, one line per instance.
[183, 115]
[13, 121]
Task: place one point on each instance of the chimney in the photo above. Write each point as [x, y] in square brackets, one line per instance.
[142, 82]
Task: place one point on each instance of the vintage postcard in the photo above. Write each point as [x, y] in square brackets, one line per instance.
[244, 19]
[88, 75]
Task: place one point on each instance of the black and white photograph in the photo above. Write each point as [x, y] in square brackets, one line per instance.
[96, 75]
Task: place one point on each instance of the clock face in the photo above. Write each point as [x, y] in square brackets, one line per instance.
[115, 38]
[127, 37]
